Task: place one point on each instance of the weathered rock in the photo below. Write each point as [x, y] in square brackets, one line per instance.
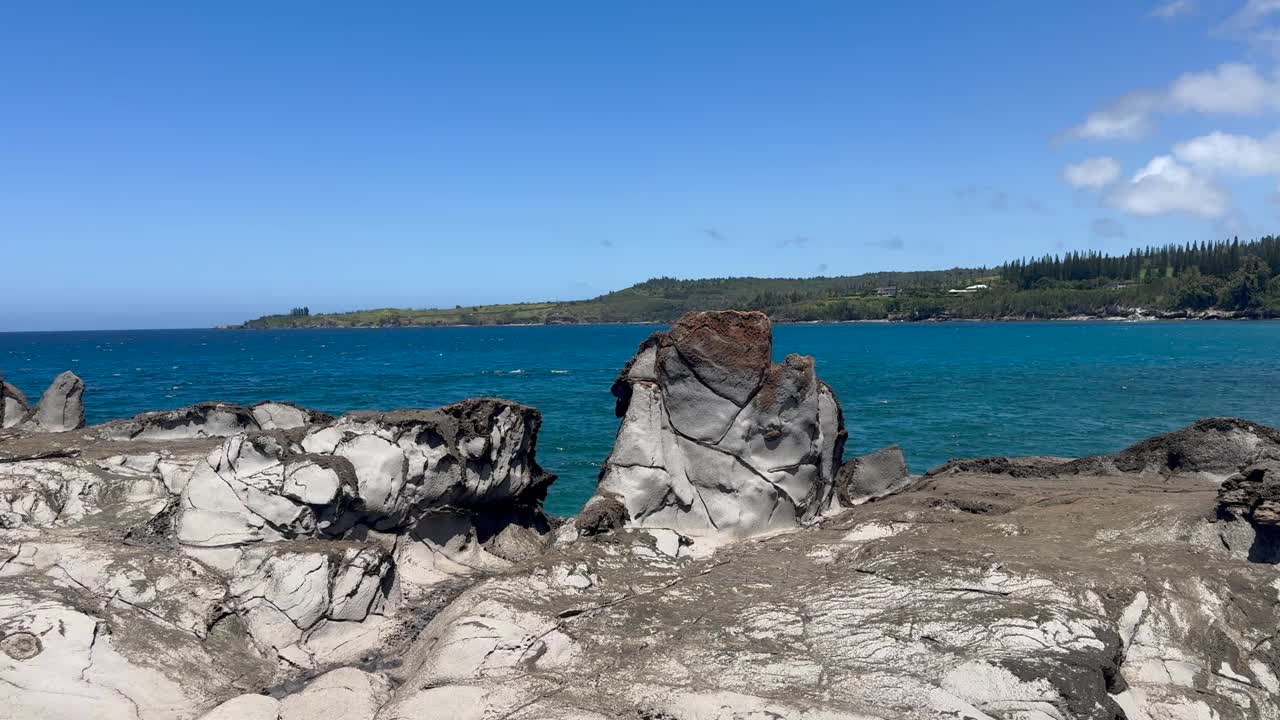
[1212, 448]
[61, 407]
[208, 419]
[872, 476]
[715, 438]
[345, 693]
[600, 515]
[1077, 597]
[274, 415]
[246, 707]
[313, 604]
[461, 476]
[13, 405]
[292, 542]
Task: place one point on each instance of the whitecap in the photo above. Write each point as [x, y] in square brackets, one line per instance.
[559, 372]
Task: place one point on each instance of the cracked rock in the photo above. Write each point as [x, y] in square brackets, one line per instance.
[715, 437]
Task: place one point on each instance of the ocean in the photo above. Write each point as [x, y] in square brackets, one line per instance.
[940, 390]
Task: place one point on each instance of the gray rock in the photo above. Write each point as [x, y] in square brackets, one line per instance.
[202, 420]
[717, 439]
[61, 407]
[1082, 597]
[273, 415]
[13, 405]
[872, 476]
[600, 515]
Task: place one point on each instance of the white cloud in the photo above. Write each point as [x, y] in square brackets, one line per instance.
[1164, 186]
[1234, 154]
[1128, 118]
[1174, 10]
[1232, 88]
[1252, 24]
[1249, 17]
[1096, 172]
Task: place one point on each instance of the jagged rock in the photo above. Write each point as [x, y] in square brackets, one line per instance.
[61, 407]
[13, 405]
[290, 555]
[715, 438]
[872, 476]
[426, 474]
[1253, 494]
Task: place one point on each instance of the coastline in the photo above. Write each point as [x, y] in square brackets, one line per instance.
[1211, 316]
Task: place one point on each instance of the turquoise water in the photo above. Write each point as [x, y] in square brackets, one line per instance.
[939, 390]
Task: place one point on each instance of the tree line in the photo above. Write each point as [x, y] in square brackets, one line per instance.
[1218, 259]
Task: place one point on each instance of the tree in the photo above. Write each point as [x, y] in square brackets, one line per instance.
[1195, 291]
[300, 312]
[1246, 286]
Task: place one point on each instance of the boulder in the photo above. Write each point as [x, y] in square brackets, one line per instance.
[61, 407]
[872, 476]
[1253, 494]
[463, 474]
[13, 405]
[346, 693]
[273, 415]
[715, 437]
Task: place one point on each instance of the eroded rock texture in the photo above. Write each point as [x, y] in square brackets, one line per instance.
[162, 566]
[717, 438]
[971, 596]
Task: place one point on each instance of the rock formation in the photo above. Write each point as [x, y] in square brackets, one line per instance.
[864, 478]
[718, 439]
[60, 409]
[300, 548]
[13, 405]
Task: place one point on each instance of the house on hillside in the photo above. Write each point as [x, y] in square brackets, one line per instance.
[887, 291]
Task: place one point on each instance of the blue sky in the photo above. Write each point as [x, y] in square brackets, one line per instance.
[183, 164]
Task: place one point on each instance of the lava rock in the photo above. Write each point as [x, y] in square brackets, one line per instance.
[717, 439]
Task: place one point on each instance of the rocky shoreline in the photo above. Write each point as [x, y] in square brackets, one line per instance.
[273, 562]
[1125, 314]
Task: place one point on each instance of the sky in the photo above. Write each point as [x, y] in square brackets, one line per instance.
[195, 164]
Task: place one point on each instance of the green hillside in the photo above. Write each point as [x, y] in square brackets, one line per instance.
[1234, 278]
